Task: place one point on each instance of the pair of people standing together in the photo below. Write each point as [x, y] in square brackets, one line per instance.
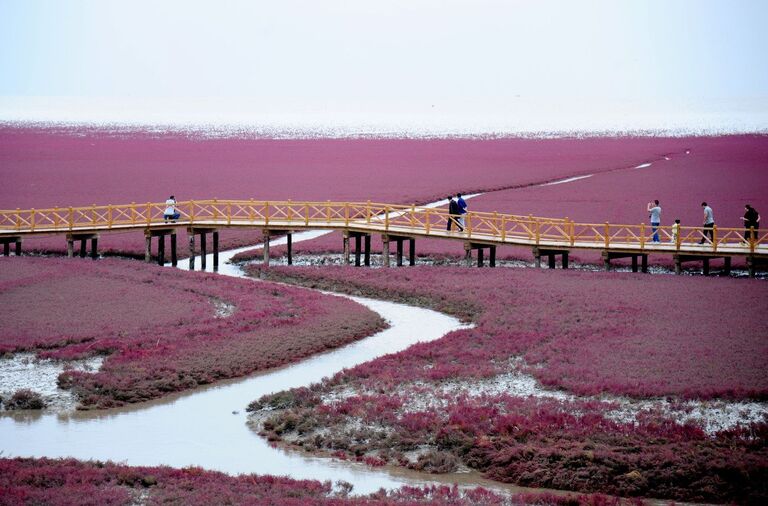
[751, 222]
[457, 208]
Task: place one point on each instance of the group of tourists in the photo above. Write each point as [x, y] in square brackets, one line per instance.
[457, 208]
[751, 221]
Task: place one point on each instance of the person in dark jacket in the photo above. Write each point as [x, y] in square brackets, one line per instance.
[453, 214]
[751, 221]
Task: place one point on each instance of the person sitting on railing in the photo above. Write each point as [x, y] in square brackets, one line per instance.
[654, 211]
[751, 221]
[170, 212]
[453, 214]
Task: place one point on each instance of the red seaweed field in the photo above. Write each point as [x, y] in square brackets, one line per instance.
[68, 481]
[162, 330]
[727, 172]
[602, 337]
[48, 167]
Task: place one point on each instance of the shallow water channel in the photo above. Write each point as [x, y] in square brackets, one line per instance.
[207, 427]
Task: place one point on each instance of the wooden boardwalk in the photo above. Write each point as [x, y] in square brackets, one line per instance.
[548, 237]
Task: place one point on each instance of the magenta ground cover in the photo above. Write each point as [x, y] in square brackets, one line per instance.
[162, 330]
[80, 167]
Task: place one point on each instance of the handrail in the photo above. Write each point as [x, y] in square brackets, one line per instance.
[396, 218]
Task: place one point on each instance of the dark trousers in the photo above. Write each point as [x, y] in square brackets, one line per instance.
[452, 220]
[708, 231]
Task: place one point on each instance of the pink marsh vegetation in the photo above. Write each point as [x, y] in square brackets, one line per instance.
[160, 328]
[587, 333]
[59, 482]
[727, 172]
[47, 167]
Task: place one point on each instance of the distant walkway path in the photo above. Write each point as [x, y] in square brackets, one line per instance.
[548, 237]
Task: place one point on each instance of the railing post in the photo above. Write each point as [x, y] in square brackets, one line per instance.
[503, 228]
[266, 213]
[306, 215]
[572, 231]
[752, 239]
[32, 219]
[191, 212]
[368, 212]
[714, 237]
[109, 216]
[93, 214]
[607, 235]
[251, 215]
[229, 213]
[678, 239]
[328, 210]
[18, 218]
[71, 218]
[133, 213]
[215, 209]
[56, 217]
[496, 223]
[290, 211]
[413, 215]
[469, 225]
[427, 224]
[149, 213]
[386, 218]
[642, 236]
[346, 214]
[538, 232]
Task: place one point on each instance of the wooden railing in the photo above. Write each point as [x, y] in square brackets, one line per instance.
[377, 217]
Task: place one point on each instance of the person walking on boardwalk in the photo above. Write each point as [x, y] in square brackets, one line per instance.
[462, 210]
[751, 221]
[654, 213]
[709, 224]
[170, 212]
[453, 214]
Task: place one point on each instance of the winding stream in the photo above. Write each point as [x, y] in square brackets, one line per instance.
[207, 427]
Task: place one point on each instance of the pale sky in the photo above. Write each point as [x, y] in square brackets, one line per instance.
[386, 56]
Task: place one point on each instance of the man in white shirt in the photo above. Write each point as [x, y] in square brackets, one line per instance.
[709, 224]
[654, 212]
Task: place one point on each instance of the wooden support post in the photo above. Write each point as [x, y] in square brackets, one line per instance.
[345, 240]
[95, 248]
[191, 250]
[706, 266]
[480, 259]
[678, 265]
[147, 247]
[265, 247]
[468, 254]
[634, 263]
[6, 249]
[18, 247]
[203, 250]
[290, 248]
[83, 247]
[367, 256]
[399, 242]
[70, 247]
[411, 251]
[160, 250]
[385, 250]
[727, 265]
[174, 257]
[606, 261]
[565, 259]
[537, 259]
[644, 264]
[751, 266]
[358, 241]
[493, 256]
[215, 251]
[551, 260]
